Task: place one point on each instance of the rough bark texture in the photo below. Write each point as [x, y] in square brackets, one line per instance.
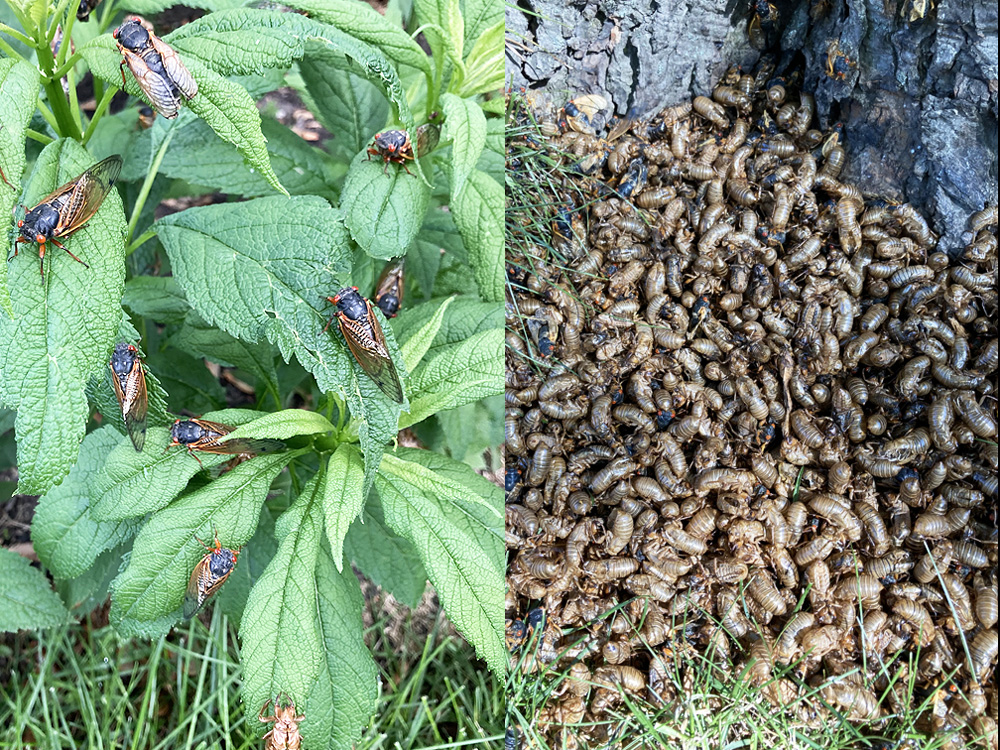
[920, 108]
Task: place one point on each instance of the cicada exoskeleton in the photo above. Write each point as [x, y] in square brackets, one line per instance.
[356, 318]
[68, 208]
[203, 435]
[129, 380]
[284, 735]
[389, 288]
[208, 576]
[156, 67]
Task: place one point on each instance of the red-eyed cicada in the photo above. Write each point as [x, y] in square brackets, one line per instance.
[356, 318]
[284, 735]
[156, 67]
[389, 288]
[67, 208]
[129, 380]
[395, 145]
[208, 576]
[203, 435]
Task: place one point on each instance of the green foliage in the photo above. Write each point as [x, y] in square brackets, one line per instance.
[227, 305]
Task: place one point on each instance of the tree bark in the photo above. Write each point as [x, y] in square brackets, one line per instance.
[919, 108]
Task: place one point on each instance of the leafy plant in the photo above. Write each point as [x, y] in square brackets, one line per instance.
[243, 284]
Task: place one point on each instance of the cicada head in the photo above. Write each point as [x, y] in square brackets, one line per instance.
[131, 35]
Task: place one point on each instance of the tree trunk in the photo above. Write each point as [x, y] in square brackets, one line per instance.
[920, 107]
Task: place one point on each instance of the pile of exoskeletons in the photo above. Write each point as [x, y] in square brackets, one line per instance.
[751, 415]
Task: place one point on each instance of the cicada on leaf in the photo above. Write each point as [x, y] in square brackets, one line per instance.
[67, 208]
[129, 379]
[156, 67]
[389, 287]
[363, 334]
[203, 435]
[284, 735]
[208, 576]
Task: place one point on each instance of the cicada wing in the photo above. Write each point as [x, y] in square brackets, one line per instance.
[215, 427]
[367, 344]
[179, 74]
[86, 194]
[154, 85]
[251, 445]
[194, 595]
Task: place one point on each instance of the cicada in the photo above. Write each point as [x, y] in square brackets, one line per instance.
[85, 9]
[68, 208]
[284, 735]
[203, 435]
[129, 380]
[389, 288]
[146, 117]
[365, 339]
[395, 145]
[208, 576]
[156, 67]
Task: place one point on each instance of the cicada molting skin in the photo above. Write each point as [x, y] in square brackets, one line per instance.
[760, 427]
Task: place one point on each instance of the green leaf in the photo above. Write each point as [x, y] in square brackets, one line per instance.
[284, 424]
[417, 345]
[63, 329]
[491, 161]
[225, 105]
[467, 581]
[343, 101]
[19, 84]
[202, 340]
[465, 126]
[66, 538]
[438, 234]
[384, 207]
[253, 561]
[264, 268]
[152, 7]
[89, 589]
[384, 556]
[479, 16]
[158, 297]
[165, 552]
[132, 483]
[26, 599]
[281, 643]
[484, 67]
[464, 318]
[478, 213]
[477, 519]
[348, 667]
[460, 374]
[198, 157]
[447, 14]
[190, 386]
[343, 499]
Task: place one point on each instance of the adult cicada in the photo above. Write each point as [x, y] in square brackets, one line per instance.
[395, 145]
[129, 380]
[389, 287]
[208, 576]
[67, 208]
[363, 334]
[284, 735]
[156, 67]
[203, 435]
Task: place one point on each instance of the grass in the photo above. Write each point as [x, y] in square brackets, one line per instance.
[81, 686]
[713, 706]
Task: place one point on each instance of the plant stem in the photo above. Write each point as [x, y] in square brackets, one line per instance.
[102, 107]
[40, 137]
[65, 124]
[147, 185]
[139, 241]
[66, 67]
[4, 28]
[47, 114]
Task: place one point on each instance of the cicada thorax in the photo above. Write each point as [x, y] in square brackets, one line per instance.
[129, 380]
[208, 576]
[389, 288]
[155, 65]
[68, 207]
[361, 330]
